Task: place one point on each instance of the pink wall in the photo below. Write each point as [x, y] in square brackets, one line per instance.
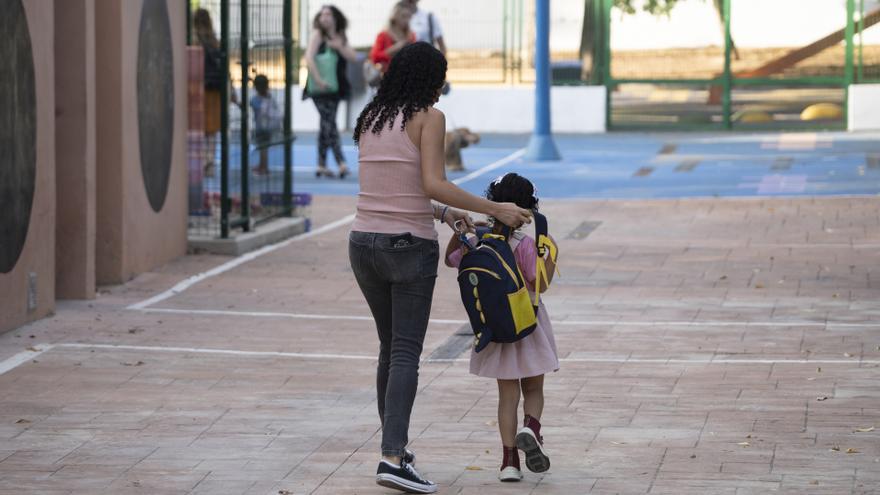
[131, 237]
[38, 255]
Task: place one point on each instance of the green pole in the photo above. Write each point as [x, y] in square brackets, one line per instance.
[245, 113]
[850, 29]
[224, 121]
[606, 59]
[861, 74]
[287, 29]
[848, 73]
[725, 97]
[188, 23]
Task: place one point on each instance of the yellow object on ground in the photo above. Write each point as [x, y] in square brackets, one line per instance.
[822, 111]
[747, 116]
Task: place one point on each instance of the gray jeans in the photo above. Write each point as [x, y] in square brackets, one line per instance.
[396, 274]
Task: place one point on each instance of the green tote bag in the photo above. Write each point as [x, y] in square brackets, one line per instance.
[325, 61]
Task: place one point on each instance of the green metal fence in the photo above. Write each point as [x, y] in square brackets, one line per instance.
[252, 179]
[731, 64]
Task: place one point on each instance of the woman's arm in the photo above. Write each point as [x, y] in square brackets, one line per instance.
[340, 44]
[312, 50]
[438, 188]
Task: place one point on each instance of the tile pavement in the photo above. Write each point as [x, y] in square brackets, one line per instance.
[709, 346]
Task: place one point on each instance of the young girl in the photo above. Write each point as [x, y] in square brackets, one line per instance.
[519, 366]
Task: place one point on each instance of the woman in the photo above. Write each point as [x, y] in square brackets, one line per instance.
[393, 246]
[328, 86]
[214, 78]
[395, 36]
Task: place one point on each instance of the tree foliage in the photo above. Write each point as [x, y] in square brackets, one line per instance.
[655, 7]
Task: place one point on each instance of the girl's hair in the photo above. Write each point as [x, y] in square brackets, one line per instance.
[513, 188]
[204, 28]
[411, 85]
[396, 10]
[338, 17]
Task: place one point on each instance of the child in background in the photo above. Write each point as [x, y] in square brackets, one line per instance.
[519, 367]
[267, 121]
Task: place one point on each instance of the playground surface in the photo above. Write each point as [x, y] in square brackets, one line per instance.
[716, 313]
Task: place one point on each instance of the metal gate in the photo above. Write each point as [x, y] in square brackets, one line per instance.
[244, 178]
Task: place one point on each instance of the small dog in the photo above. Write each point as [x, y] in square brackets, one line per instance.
[459, 138]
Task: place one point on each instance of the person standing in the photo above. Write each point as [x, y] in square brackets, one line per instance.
[426, 27]
[394, 37]
[327, 53]
[214, 79]
[393, 248]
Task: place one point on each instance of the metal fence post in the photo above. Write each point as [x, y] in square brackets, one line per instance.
[287, 33]
[725, 97]
[245, 112]
[606, 59]
[224, 121]
[848, 71]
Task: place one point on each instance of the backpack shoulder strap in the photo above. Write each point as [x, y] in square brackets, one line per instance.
[544, 245]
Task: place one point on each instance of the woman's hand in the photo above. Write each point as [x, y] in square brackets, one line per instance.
[453, 216]
[512, 215]
[336, 43]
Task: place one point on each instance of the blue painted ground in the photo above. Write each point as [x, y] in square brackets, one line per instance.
[631, 166]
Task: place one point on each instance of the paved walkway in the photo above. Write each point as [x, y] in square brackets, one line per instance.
[725, 346]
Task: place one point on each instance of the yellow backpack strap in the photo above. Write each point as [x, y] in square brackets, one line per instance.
[544, 245]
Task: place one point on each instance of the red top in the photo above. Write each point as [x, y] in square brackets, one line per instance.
[379, 54]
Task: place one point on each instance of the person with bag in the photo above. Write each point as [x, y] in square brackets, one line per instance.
[517, 363]
[426, 27]
[215, 76]
[390, 41]
[393, 248]
[326, 56]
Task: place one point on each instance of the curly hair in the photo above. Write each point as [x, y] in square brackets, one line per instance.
[412, 84]
[338, 17]
[513, 188]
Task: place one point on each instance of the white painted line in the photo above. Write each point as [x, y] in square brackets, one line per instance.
[585, 323]
[23, 357]
[492, 166]
[26, 356]
[270, 314]
[232, 352]
[189, 282]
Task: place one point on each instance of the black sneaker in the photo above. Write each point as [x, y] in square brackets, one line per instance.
[409, 457]
[403, 477]
[536, 459]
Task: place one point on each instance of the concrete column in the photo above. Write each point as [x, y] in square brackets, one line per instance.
[75, 149]
[27, 288]
[135, 234]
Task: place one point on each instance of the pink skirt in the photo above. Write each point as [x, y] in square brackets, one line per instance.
[532, 356]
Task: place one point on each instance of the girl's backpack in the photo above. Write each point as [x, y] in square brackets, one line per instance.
[493, 289]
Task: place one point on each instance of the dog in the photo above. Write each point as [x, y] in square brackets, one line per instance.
[459, 138]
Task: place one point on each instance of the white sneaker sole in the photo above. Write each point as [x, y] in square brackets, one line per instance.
[398, 483]
[510, 473]
[536, 459]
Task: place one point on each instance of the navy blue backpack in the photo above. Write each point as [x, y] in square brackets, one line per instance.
[493, 289]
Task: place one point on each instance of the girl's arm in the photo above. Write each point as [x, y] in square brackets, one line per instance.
[311, 51]
[438, 188]
[454, 244]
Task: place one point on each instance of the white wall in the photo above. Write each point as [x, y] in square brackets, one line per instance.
[863, 109]
[574, 109]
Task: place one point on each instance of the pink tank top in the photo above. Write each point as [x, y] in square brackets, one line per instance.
[392, 199]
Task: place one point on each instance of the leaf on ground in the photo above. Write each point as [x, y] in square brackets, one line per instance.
[814, 482]
[138, 363]
[22, 421]
[811, 378]
[759, 286]
[852, 451]
[618, 443]
[693, 456]
[723, 277]
[864, 430]
[835, 449]
[846, 354]
[32, 349]
[491, 422]
[744, 444]
[285, 492]
[474, 468]
[820, 399]
[818, 370]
